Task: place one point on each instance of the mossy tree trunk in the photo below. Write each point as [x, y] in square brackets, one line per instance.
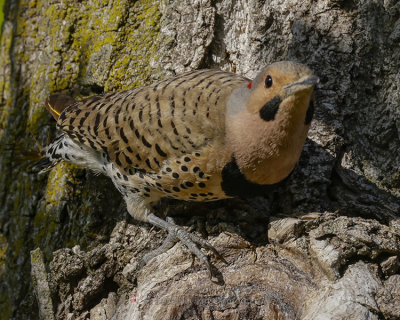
[342, 238]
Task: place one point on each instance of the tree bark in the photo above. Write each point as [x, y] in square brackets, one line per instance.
[325, 246]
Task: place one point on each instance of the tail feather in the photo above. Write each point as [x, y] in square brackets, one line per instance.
[43, 165]
[48, 157]
[44, 161]
[57, 103]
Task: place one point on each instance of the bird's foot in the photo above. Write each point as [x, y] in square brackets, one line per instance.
[175, 234]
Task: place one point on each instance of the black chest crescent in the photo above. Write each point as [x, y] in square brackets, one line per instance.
[235, 184]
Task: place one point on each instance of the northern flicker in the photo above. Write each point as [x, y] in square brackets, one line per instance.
[204, 135]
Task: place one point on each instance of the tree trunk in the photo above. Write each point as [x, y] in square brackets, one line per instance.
[325, 246]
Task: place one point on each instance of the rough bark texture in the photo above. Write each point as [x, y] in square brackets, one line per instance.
[331, 247]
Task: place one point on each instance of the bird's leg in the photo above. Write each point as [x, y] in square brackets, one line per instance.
[168, 243]
[177, 233]
[200, 241]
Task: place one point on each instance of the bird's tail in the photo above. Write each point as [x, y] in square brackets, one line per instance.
[42, 165]
[49, 156]
[57, 103]
[32, 159]
[45, 160]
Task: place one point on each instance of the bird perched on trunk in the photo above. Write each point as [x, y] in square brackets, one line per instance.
[204, 135]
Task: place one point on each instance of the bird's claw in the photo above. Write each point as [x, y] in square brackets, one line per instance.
[175, 234]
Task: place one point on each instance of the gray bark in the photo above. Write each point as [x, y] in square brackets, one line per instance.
[331, 247]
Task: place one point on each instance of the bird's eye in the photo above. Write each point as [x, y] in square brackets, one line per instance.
[268, 81]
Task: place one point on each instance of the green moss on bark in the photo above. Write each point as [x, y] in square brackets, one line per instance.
[53, 46]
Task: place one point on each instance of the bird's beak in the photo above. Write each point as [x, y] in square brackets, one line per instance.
[304, 84]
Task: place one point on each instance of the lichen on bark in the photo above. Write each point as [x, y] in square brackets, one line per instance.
[50, 46]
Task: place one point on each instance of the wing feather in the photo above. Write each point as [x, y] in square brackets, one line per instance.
[141, 128]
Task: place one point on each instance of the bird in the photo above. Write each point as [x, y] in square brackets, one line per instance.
[204, 135]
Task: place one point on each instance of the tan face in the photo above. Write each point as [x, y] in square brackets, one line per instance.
[268, 136]
[278, 81]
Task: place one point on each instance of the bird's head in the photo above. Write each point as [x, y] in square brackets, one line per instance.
[268, 120]
[274, 88]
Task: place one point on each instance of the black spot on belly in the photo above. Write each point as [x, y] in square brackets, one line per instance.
[269, 110]
[234, 183]
[189, 184]
[309, 113]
